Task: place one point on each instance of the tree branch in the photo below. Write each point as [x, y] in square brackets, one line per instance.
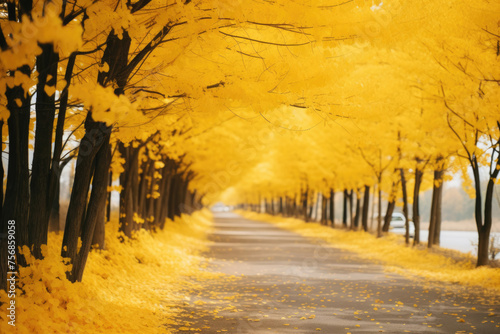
[264, 42]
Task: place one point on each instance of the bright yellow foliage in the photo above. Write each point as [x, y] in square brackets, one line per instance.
[130, 287]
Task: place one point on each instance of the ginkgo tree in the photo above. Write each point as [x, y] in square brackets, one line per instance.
[91, 81]
[429, 90]
[182, 102]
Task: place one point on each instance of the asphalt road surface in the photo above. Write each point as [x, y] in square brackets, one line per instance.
[276, 281]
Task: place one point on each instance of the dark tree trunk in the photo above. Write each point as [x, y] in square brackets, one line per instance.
[296, 210]
[379, 218]
[332, 207]
[438, 216]
[358, 212]
[390, 208]
[144, 188]
[183, 191]
[416, 205]
[149, 213]
[40, 206]
[366, 205]
[305, 205]
[81, 218]
[435, 217]
[56, 166]
[324, 210]
[95, 135]
[388, 215]
[98, 239]
[108, 201]
[484, 227]
[16, 203]
[129, 192]
[344, 211]
[95, 208]
[351, 205]
[405, 206]
[161, 203]
[174, 189]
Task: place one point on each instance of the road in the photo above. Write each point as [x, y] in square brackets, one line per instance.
[279, 282]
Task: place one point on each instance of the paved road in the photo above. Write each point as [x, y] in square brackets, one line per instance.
[279, 282]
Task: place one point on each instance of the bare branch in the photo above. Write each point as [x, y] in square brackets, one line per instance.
[263, 42]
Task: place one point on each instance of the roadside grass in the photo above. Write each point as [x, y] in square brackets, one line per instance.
[130, 287]
[436, 264]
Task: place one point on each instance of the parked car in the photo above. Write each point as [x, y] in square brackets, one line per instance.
[398, 220]
[398, 224]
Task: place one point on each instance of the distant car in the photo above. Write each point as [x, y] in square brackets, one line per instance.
[398, 224]
[398, 220]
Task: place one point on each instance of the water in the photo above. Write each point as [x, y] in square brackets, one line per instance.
[464, 241]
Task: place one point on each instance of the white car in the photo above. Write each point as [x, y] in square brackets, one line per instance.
[398, 224]
[398, 220]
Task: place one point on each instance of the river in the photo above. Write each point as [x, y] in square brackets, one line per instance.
[464, 241]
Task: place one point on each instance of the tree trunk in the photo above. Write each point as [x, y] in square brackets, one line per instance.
[108, 201]
[95, 208]
[163, 201]
[311, 207]
[316, 208]
[98, 239]
[144, 186]
[405, 206]
[183, 190]
[438, 218]
[332, 207]
[305, 205]
[366, 204]
[324, 213]
[129, 180]
[416, 205]
[358, 211]
[388, 215]
[295, 206]
[351, 215]
[390, 208]
[484, 227]
[379, 218]
[81, 218]
[16, 202]
[56, 166]
[16, 199]
[174, 189]
[435, 217]
[344, 211]
[40, 206]
[96, 133]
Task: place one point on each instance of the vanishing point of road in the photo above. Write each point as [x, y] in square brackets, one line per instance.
[276, 281]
